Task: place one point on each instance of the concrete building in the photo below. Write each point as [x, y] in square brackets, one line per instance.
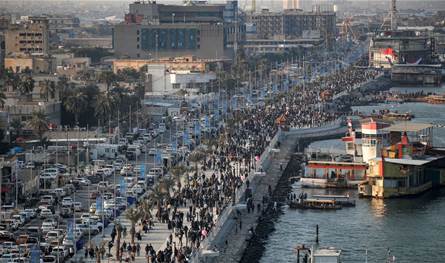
[88, 42]
[2, 53]
[30, 37]
[71, 66]
[399, 47]
[291, 4]
[177, 63]
[62, 22]
[154, 30]
[162, 81]
[61, 27]
[293, 23]
[36, 64]
[255, 46]
[170, 40]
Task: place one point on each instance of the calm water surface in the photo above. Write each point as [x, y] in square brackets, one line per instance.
[412, 228]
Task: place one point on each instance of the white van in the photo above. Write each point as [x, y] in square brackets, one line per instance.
[162, 128]
[157, 171]
[133, 152]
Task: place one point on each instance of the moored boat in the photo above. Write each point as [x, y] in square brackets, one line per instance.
[435, 99]
[318, 254]
[315, 204]
[343, 200]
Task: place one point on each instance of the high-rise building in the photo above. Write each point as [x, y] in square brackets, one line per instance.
[294, 23]
[29, 37]
[399, 47]
[154, 30]
[2, 53]
[291, 4]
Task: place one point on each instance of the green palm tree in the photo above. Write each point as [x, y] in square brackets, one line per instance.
[146, 206]
[48, 90]
[196, 157]
[157, 196]
[12, 79]
[76, 103]
[2, 99]
[108, 77]
[134, 215]
[104, 107]
[26, 86]
[39, 123]
[177, 172]
[166, 185]
[119, 229]
[17, 125]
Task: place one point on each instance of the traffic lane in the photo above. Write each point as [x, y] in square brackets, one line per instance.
[83, 193]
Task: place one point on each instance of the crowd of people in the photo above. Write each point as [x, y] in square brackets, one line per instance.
[192, 209]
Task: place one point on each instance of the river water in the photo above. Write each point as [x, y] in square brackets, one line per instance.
[413, 229]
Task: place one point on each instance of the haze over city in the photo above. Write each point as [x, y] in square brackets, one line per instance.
[225, 131]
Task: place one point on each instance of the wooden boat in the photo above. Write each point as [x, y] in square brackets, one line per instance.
[318, 254]
[315, 204]
[395, 116]
[343, 200]
[435, 99]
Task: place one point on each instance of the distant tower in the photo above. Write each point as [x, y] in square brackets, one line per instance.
[393, 14]
[291, 4]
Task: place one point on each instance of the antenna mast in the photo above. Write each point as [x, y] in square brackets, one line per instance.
[393, 14]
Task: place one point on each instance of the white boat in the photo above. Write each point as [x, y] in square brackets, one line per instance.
[325, 255]
[318, 254]
[314, 182]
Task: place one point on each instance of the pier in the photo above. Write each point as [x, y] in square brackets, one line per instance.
[229, 238]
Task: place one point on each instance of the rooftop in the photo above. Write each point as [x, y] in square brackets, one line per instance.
[408, 127]
[327, 252]
[415, 162]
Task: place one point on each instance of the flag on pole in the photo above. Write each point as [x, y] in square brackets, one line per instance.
[174, 146]
[122, 185]
[99, 204]
[158, 157]
[197, 129]
[35, 254]
[234, 103]
[206, 121]
[70, 230]
[185, 138]
[142, 173]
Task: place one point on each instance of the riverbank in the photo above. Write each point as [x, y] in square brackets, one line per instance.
[265, 226]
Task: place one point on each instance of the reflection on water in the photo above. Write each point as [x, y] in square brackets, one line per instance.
[377, 207]
[412, 228]
[423, 112]
[407, 90]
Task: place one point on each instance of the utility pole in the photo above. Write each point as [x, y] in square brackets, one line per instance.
[393, 15]
[131, 130]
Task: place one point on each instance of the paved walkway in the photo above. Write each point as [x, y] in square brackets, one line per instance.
[231, 242]
[157, 236]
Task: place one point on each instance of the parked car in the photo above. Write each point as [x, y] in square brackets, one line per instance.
[31, 213]
[77, 206]
[67, 201]
[46, 227]
[45, 213]
[60, 252]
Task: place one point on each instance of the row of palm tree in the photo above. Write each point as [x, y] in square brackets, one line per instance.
[160, 193]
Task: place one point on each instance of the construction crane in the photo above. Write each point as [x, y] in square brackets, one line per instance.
[391, 19]
[347, 30]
